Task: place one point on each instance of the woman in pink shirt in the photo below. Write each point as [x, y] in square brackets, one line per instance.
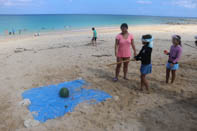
[123, 44]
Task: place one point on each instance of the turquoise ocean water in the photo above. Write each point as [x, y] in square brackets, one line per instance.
[39, 23]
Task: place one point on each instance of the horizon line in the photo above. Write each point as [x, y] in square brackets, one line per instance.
[100, 14]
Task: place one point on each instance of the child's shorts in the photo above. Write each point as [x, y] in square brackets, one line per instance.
[146, 69]
[94, 38]
[175, 67]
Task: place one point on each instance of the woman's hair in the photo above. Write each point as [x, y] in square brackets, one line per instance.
[178, 38]
[93, 28]
[124, 25]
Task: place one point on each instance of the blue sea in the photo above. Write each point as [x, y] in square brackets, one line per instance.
[40, 23]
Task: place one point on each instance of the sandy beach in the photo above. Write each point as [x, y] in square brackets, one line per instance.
[28, 62]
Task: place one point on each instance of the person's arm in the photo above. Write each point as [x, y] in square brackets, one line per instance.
[116, 47]
[139, 56]
[148, 54]
[133, 46]
[178, 56]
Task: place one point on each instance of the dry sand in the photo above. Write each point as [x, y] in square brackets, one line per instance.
[28, 62]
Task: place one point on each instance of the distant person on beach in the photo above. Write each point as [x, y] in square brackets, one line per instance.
[94, 38]
[37, 34]
[123, 44]
[174, 57]
[196, 40]
[145, 57]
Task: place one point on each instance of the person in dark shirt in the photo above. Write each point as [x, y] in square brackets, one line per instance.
[145, 57]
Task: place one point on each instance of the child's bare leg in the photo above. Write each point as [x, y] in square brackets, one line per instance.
[173, 76]
[167, 75]
[145, 82]
[125, 70]
[92, 42]
[142, 83]
[118, 70]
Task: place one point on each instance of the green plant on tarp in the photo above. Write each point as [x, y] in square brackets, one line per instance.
[46, 102]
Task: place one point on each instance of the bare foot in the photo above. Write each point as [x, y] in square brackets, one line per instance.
[126, 78]
[115, 79]
[148, 91]
[141, 89]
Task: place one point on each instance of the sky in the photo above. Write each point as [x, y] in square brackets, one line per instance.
[180, 8]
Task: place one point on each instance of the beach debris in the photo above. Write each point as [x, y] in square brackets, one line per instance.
[50, 48]
[90, 44]
[31, 123]
[79, 78]
[104, 55]
[25, 102]
[101, 40]
[62, 46]
[19, 50]
[116, 98]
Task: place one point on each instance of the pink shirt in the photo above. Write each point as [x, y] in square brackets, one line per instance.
[124, 47]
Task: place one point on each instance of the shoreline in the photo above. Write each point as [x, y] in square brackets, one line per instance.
[102, 29]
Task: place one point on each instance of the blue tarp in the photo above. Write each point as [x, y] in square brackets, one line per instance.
[47, 104]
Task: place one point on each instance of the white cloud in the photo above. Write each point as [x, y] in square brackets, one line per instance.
[14, 2]
[144, 2]
[186, 3]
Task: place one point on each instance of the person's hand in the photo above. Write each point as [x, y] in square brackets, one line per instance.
[133, 59]
[171, 65]
[166, 52]
[135, 54]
